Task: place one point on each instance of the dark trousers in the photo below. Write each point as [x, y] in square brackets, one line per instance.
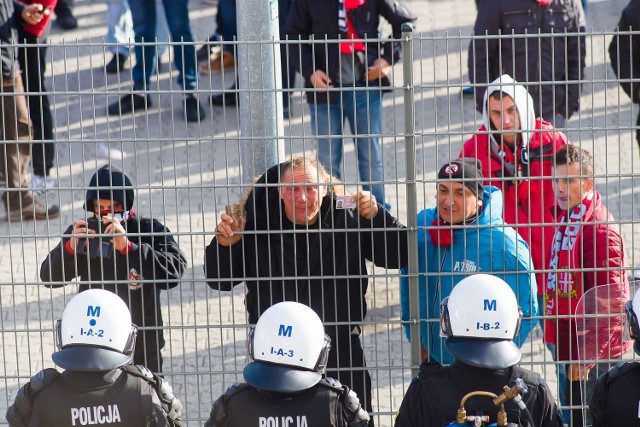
[32, 63]
[347, 353]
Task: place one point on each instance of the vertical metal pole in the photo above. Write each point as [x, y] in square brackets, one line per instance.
[412, 196]
[260, 82]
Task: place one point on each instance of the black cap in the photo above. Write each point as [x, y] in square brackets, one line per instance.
[110, 183]
[468, 170]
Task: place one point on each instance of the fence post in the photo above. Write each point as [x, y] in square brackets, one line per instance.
[412, 198]
[260, 84]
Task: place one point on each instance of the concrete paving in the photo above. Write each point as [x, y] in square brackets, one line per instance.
[187, 173]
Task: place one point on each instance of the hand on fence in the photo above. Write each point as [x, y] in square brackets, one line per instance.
[114, 227]
[320, 80]
[33, 13]
[380, 68]
[367, 205]
[227, 227]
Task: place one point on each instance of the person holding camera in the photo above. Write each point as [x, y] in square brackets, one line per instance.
[116, 250]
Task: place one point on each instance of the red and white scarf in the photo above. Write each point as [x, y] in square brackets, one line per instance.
[564, 283]
[346, 27]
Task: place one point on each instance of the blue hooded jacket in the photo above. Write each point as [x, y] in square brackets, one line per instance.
[487, 246]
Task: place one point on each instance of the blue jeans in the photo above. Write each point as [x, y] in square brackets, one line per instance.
[144, 17]
[120, 27]
[227, 11]
[362, 109]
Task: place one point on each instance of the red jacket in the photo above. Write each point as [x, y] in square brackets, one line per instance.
[527, 203]
[599, 253]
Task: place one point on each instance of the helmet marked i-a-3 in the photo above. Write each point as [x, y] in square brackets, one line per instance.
[288, 349]
[633, 327]
[95, 333]
[480, 319]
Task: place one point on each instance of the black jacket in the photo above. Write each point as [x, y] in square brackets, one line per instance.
[434, 396]
[154, 262]
[319, 19]
[10, 17]
[624, 50]
[323, 267]
[616, 396]
[539, 61]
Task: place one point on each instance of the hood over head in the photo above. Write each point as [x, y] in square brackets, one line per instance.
[521, 98]
[110, 183]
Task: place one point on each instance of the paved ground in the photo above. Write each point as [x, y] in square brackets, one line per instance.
[186, 173]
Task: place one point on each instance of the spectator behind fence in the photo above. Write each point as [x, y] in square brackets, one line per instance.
[587, 251]
[95, 340]
[516, 151]
[551, 65]
[19, 202]
[144, 17]
[281, 387]
[33, 59]
[624, 52]
[120, 33]
[465, 234]
[314, 253]
[616, 395]
[357, 68]
[139, 261]
[485, 359]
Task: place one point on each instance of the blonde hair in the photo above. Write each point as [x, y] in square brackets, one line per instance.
[239, 209]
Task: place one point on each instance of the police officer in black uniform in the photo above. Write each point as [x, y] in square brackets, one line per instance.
[285, 384]
[480, 319]
[616, 395]
[96, 340]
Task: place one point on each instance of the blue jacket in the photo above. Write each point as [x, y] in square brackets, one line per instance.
[497, 250]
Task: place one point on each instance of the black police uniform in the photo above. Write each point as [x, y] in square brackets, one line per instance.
[128, 396]
[329, 403]
[616, 397]
[433, 398]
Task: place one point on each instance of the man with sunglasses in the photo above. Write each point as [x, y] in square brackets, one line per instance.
[114, 249]
[95, 340]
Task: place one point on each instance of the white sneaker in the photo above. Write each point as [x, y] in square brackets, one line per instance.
[41, 183]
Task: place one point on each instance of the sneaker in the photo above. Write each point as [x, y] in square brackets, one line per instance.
[37, 210]
[129, 104]
[226, 98]
[222, 61]
[117, 63]
[193, 109]
[39, 184]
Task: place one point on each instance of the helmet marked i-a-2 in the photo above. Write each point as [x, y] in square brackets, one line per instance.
[480, 319]
[288, 348]
[95, 333]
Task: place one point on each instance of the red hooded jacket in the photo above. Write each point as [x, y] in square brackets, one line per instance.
[527, 202]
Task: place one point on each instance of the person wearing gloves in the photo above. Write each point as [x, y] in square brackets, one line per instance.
[95, 340]
[285, 379]
[465, 234]
[134, 257]
[480, 320]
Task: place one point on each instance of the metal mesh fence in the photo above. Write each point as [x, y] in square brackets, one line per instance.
[185, 174]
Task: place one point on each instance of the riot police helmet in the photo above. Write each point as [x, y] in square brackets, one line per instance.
[95, 333]
[480, 319]
[288, 348]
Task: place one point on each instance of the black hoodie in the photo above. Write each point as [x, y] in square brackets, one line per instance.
[153, 262]
[323, 267]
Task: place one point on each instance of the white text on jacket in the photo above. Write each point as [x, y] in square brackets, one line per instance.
[91, 415]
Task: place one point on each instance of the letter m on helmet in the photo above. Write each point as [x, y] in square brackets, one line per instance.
[490, 305]
[285, 331]
[93, 311]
